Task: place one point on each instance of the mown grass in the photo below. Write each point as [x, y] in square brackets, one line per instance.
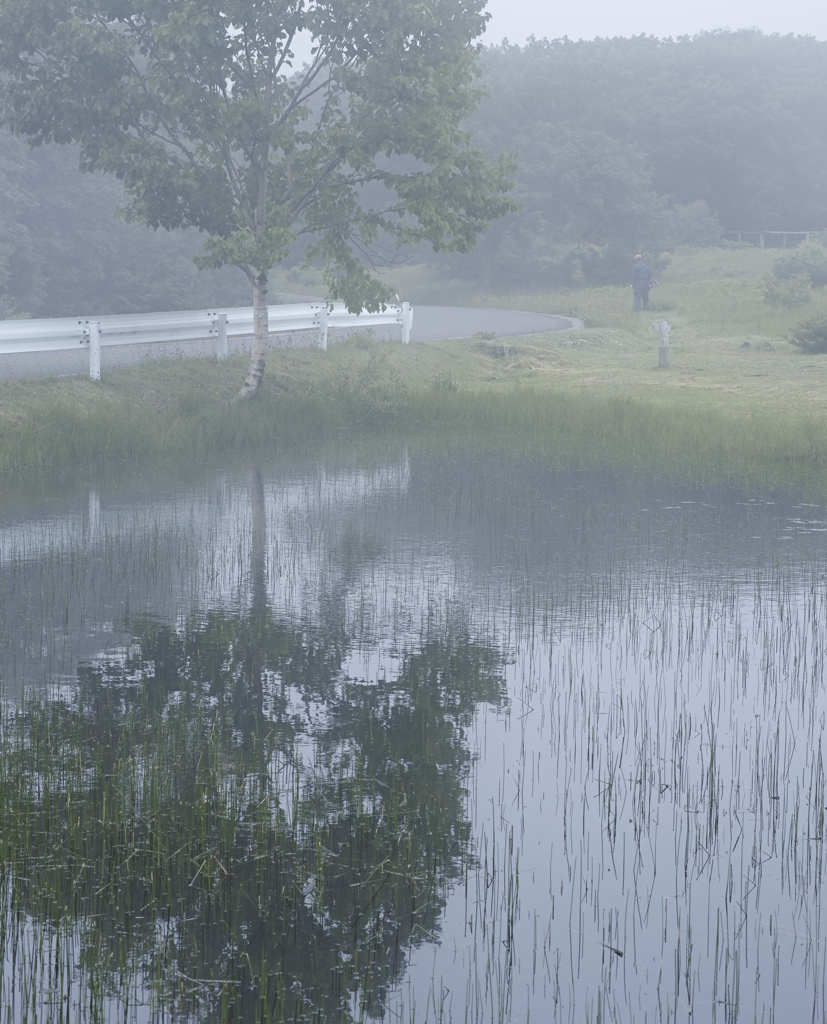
[736, 401]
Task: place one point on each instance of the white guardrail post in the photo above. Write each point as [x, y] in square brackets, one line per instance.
[323, 327]
[223, 348]
[407, 322]
[95, 350]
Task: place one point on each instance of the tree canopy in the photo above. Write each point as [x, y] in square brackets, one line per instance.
[64, 251]
[644, 143]
[623, 144]
[201, 110]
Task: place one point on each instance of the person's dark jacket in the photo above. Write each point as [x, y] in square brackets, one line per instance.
[641, 275]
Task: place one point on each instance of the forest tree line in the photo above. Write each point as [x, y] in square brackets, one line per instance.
[624, 146]
[630, 145]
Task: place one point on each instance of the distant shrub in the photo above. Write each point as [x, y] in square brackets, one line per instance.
[374, 390]
[691, 225]
[787, 292]
[365, 389]
[443, 380]
[810, 334]
[808, 260]
[364, 338]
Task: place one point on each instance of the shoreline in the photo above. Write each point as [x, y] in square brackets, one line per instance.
[478, 394]
[737, 402]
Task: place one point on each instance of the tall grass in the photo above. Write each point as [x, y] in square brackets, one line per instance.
[585, 430]
[169, 848]
[453, 740]
[63, 439]
[615, 806]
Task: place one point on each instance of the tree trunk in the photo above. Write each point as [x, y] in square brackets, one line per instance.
[261, 334]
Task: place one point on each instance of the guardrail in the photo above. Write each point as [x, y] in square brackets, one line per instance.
[761, 237]
[21, 337]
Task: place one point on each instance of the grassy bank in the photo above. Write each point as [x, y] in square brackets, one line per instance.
[736, 401]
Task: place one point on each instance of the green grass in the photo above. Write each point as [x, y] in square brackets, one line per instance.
[736, 401]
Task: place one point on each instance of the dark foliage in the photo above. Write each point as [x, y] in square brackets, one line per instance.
[645, 144]
[810, 334]
[808, 260]
[64, 250]
[625, 145]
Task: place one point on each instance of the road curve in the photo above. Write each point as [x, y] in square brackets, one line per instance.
[435, 323]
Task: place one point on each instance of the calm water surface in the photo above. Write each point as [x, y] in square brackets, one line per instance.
[443, 738]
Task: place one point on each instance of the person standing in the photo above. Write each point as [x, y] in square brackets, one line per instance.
[641, 283]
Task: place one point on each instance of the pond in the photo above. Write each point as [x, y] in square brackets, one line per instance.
[441, 736]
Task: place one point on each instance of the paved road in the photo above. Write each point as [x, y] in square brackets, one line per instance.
[431, 323]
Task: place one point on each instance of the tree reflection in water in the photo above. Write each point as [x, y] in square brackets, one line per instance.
[222, 823]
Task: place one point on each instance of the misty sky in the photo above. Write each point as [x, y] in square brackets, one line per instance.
[585, 19]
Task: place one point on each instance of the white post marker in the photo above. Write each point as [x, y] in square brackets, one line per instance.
[323, 327]
[95, 350]
[223, 349]
[663, 352]
[407, 322]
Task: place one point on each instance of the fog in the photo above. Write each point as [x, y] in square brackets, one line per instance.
[482, 678]
[517, 20]
[657, 139]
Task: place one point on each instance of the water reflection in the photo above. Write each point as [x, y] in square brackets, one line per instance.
[441, 737]
[241, 828]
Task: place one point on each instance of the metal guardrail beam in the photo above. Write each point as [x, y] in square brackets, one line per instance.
[761, 236]
[21, 337]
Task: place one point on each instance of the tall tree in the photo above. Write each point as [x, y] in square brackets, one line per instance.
[200, 109]
[623, 141]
